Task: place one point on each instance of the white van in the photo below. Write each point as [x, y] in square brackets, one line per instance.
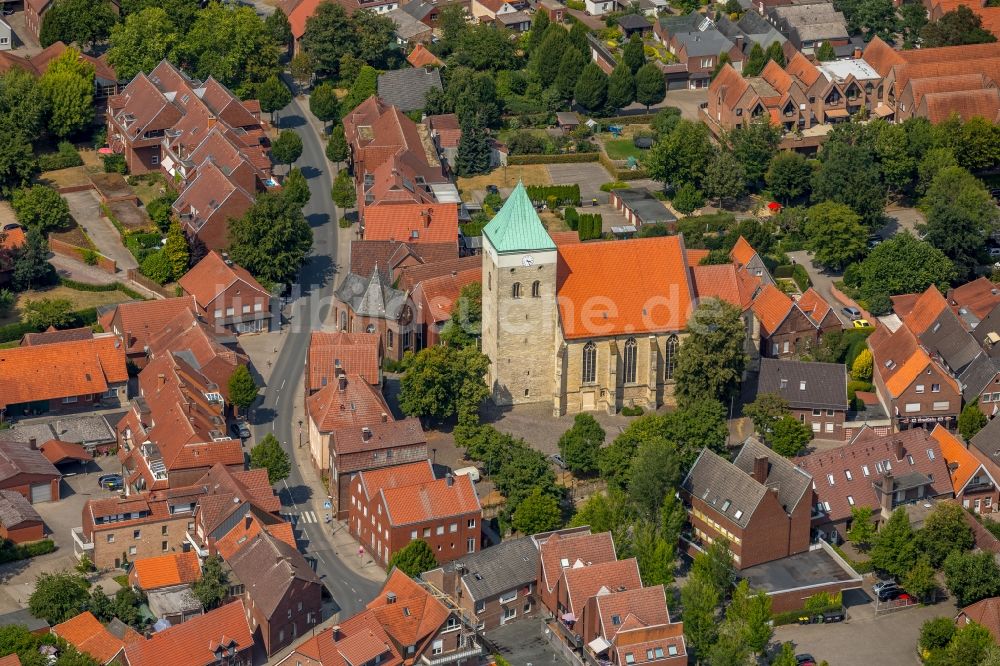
[471, 472]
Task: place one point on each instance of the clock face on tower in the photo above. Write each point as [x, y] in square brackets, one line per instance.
[527, 260]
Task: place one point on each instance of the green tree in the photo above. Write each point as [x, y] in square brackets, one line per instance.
[295, 188]
[754, 146]
[748, 617]
[40, 207]
[970, 643]
[872, 17]
[213, 586]
[608, 512]
[242, 388]
[862, 533]
[653, 553]
[269, 455]
[58, 596]
[141, 41]
[68, 87]
[786, 656]
[755, 61]
[789, 436]
[591, 90]
[364, 86]
[765, 410]
[571, 65]
[31, 266]
[414, 558]
[464, 327]
[849, 174]
[484, 47]
[303, 70]
[978, 146]
[920, 580]
[775, 53]
[936, 633]
[723, 60]
[912, 19]
[695, 425]
[442, 381]
[835, 234]
[45, 312]
[655, 472]
[681, 156]
[934, 160]
[825, 52]
[287, 147]
[473, 151]
[861, 369]
[182, 12]
[955, 28]
[699, 600]
[960, 216]
[893, 549]
[22, 106]
[232, 44]
[900, 265]
[279, 28]
[944, 531]
[538, 512]
[546, 58]
[578, 37]
[17, 160]
[344, 194]
[273, 95]
[634, 55]
[374, 36]
[725, 178]
[323, 103]
[580, 444]
[157, 267]
[336, 147]
[711, 359]
[176, 251]
[650, 86]
[271, 239]
[971, 576]
[715, 566]
[971, 420]
[538, 25]
[82, 21]
[621, 86]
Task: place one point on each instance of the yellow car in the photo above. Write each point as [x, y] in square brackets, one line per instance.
[861, 323]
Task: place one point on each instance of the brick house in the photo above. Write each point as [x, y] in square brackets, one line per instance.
[391, 507]
[24, 470]
[816, 393]
[697, 44]
[221, 637]
[135, 322]
[170, 570]
[228, 497]
[228, 297]
[435, 299]
[973, 477]
[19, 522]
[633, 626]
[563, 548]
[789, 328]
[37, 379]
[494, 586]
[355, 449]
[34, 14]
[392, 258]
[86, 633]
[330, 354]
[413, 223]
[880, 472]
[282, 594]
[370, 305]
[760, 504]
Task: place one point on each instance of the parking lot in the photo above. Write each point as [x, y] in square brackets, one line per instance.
[523, 642]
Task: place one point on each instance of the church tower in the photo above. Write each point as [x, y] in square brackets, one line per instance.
[519, 303]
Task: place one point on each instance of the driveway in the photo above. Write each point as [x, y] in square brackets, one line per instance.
[822, 282]
[86, 210]
[901, 219]
[523, 642]
[589, 175]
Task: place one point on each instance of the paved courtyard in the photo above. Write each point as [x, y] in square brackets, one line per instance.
[523, 643]
[588, 175]
[86, 210]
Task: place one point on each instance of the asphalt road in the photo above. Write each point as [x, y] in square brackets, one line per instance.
[307, 309]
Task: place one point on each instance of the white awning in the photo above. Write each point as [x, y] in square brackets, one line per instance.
[599, 645]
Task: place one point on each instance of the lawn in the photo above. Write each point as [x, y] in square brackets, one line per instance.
[71, 177]
[81, 300]
[622, 149]
[531, 174]
[148, 188]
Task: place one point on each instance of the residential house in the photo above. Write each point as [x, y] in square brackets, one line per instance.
[407, 89]
[446, 133]
[974, 484]
[747, 260]
[24, 470]
[555, 9]
[347, 401]
[808, 24]
[816, 393]
[34, 14]
[634, 627]
[985, 612]
[975, 300]
[212, 199]
[253, 523]
[407, 623]
[170, 570]
[6, 36]
[635, 24]
[436, 298]
[227, 499]
[410, 30]
[228, 296]
[429, 13]
[559, 550]
[413, 223]
[489, 10]
[372, 306]
[516, 22]
[985, 446]
[52, 335]
[106, 81]
[355, 448]
[19, 522]
[640, 207]
[697, 44]
[581, 582]
[493, 586]
[392, 257]
[879, 472]
[760, 504]
[789, 328]
[332, 354]
[86, 633]
[175, 429]
[600, 7]
[282, 594]
[221, 637]
[135, 322]
[407, 502]
[749, 29]
[66, 376]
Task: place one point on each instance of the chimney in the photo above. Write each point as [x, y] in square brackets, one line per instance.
[336, 632]
[211, 122]
[887, 496]
[366, 433]
[33, 443]
[342, 382]
[426, 217]
[898, 448]
[760, 469]
[450, 480]
[739, 43]
[857, 52]
[161, 379]
[385, 417]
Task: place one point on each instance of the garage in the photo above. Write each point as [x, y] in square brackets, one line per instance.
[41, 492]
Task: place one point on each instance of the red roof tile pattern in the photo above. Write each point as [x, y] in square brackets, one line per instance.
[102, 70]
[211, 276]
[411, 276]
[194, 643]
[962, 464]
[563, 550]
[414, 617]
[88, 635]
[814, 305]
[10, 660]
[416, 223]
[360, 639]
[584, 581]
[985, 612]
[966, 104]
[377, 437]
[227, 491]
[441, 294]
[695, 255]
[421, 56]
[771, 307]
[272, 571]
[729, 85]
[660, 297]
[358, 404]
[168, 570]
[374, 481]
[141, 320]
[51, 335]
[647, 604]
[19, 458]
[925, 310]
[802, 69]
[391, 257]
[432, 500]
[445, 127]
[56, 371]
[978, 297]
[56, 451]
[341, 352]
[251, 526]
[717, 281]
[742, 253]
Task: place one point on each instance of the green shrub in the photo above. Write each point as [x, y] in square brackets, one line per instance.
[801, 277]
[66, 156]
[344, 223]
[642, 119]
[562, 195]
[632, 411]
[566, 158]
[572, 218]
[115, 163]
[472, 229]
[11, 552]
[159, 211]
[613, 185]
[157, 267]
[89, 257]
[783, 271]
[114, 286]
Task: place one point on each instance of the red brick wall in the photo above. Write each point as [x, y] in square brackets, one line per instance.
[837, 419]
[28, 531]
[796, 599]
[22, 484]
[928, 398]
[73, 252]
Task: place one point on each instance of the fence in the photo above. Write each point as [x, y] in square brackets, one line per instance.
[85, 255]
[142, 280]
[69, 189]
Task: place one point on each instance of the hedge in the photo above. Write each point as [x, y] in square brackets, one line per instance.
[565, 158]
[114, 286]
[641, 119]
[65, 157]
[565, 195]
[791, 617]
[80, 318]
[589, 227]
[863, 567]
[11, 552]
[571, 217]
[801, 277]
[620, 174]
[783, 271]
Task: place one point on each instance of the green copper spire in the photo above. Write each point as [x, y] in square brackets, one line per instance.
[516, 228]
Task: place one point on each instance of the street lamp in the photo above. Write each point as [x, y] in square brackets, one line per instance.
[300, 433]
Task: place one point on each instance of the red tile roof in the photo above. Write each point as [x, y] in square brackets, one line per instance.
[729, 85]
[962, 464]
[742, 253]
[925, 310]
[380, 436]
[374, 481]
[249, 527]
[51, 335]
[12, 238]
[392, 257]
[141, 320]
[695, 255]
[211, 276]
[411, 276]
[88, 635]
[660, 296]
[978, 297]
[985, 612]
[361, 638]
[352, 353]
[814, 305]
[41, 60]
[51, 372]
[19, 458]
[10, 660]
[445, 127]
[166, 570]
[358, 404]
[440, 295]
[563, 550]
[647, 604]
[194, 643]
[967, 104]
[771, 306]
[417, 223]
[584, 581]
[718, 281]
[802, 69]
[57, 451]
[420, 56]
[431, 500]
[414, 617]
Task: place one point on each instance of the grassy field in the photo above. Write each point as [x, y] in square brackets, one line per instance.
[148, 188]
[553, 222]
[70, 177]
[622, 149]
[531, 174]
[80, 299]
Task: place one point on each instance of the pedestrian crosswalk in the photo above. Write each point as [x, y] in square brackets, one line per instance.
[303, 517]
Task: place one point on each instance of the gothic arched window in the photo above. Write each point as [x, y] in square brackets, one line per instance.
[589, 363]
[672, 343]
[629, 361]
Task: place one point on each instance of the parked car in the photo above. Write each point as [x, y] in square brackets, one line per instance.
[805, 660]
[111, 481]
[240, 429]
[882, 584]
[492, 189]
[10, 226]
[558, 459]
[470, 472]
[995, 251]
[889, 593]
[852, 312]
[874, 242]
[862, 323]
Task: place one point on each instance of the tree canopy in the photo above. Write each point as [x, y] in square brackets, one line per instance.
[440, 382]
[271, 240]
[58, 596]
[580, 445]
[711, 359]
[958, 27]
[83, 21]
[900, 265]
[414, 558]
[242, 387]
[960, 216]
[213, 586]
[141, 41]
[68, 87]
[269, 455]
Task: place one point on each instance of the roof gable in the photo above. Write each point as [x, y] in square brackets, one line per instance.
[516, 227]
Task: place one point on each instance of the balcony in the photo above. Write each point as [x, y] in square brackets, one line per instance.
[81, 545]
[473, 649]
[191, 539]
